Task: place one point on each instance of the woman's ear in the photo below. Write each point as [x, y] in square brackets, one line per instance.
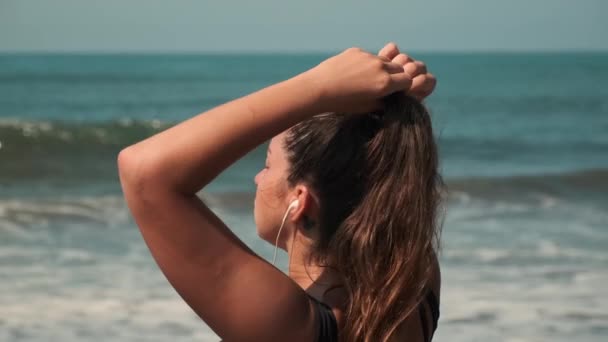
[307, 209]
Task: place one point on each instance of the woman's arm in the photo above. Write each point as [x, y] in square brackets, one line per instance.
[237, 293]
[192, 153]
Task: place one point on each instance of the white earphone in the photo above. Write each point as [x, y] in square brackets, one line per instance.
[292, 205]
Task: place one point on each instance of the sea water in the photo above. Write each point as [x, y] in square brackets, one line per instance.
[523, 144]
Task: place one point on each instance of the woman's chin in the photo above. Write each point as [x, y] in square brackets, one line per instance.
[265, 236]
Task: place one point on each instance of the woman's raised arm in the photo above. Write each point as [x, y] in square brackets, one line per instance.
[237, 293]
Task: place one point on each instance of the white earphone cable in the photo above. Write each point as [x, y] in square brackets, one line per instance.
[276, 244]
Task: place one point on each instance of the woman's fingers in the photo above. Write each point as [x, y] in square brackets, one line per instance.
[415, 68]
[389, 51]
[385, 59]
[393, 68]
[429, 85]
[421, 67]
[400, 81]
[423, 85]
[410, 76]
[402, 59]
[411, 69]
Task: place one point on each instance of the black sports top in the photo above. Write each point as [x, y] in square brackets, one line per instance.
[327, 327]
[325, 321]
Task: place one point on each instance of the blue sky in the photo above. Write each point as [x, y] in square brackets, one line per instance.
[308, 25]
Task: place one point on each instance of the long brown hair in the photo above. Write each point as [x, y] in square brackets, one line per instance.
[376, 177]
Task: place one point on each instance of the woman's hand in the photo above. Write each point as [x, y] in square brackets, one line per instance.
[423, 82]
[354, 81]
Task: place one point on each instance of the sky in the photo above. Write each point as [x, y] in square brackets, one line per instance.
[301, 26]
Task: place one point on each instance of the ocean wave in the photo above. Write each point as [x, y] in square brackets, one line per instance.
[16, 215]
[44, 135]
[546, 189]
[66, 151]
[43, 152]
[543, 252]
[17, 135]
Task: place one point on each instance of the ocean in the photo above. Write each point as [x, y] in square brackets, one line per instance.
[523, 142]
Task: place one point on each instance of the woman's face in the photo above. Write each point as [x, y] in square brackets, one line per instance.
[270, 198]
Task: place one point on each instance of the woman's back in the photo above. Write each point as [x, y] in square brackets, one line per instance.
[418, 327]
[421, 325]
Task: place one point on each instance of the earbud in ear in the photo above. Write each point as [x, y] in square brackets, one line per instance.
[294, 204]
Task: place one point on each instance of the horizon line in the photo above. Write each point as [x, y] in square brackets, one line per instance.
[289, 52]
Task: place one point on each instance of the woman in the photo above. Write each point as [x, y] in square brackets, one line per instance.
[350, 194]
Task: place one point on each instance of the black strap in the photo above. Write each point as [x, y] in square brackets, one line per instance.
[434, 305]
[422, 314]
[325, 321]
[327, 326]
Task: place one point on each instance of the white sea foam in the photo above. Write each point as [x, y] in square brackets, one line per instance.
[523, 307]
[133, 302]
[509, 273]
[108, 210]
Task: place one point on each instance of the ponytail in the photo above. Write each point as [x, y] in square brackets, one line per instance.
[377, 179]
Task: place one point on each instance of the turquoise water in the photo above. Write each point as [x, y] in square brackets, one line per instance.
[523, 141]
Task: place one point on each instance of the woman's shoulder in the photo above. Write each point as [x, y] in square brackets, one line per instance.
[336, 299]
[327, 319]
[414, 327]
[435, 279]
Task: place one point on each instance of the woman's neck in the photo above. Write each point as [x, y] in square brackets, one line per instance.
[314, 279]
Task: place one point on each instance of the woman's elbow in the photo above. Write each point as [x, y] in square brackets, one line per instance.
[131, 170]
